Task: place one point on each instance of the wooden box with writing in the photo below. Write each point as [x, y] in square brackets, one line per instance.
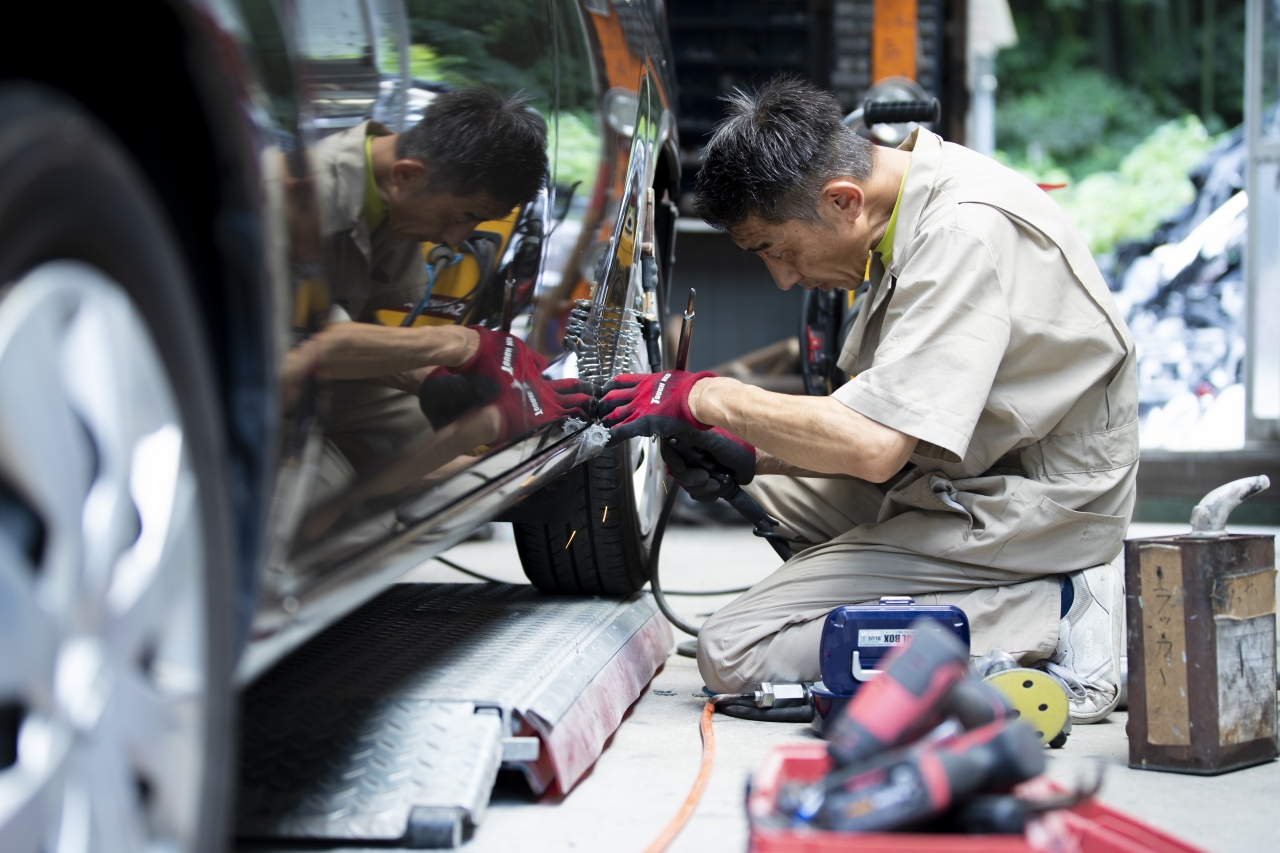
[1201, 615]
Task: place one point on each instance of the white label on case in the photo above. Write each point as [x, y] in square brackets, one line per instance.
[871, 637]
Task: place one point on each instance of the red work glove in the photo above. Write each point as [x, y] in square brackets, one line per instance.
[638, 404]
[507, 374]
[707, 464]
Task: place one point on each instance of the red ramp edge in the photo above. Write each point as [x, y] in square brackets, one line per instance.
[575, 742]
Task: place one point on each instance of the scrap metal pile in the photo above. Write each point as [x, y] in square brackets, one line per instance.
[1182, 292]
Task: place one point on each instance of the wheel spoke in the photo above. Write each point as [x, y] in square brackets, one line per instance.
[27, 639]
[44, 452]
[168, 553]
[116, 818]
[24, 808]
[110, 370]
[31, 790]
[158, 727]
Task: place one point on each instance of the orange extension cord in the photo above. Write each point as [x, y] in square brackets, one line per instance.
[672, 829]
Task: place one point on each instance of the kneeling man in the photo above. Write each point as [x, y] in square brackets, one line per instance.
[984, 452]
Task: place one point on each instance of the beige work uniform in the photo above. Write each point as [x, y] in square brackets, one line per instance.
[367, 422]
[992, 339]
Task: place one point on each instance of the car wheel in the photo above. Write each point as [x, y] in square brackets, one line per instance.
[116, 584]
[613, 502]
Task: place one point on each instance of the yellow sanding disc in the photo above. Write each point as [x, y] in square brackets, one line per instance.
[1037, 699]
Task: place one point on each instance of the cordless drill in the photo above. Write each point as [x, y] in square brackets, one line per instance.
[907, 787]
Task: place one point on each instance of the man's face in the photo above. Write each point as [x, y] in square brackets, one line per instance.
[431, 216]
[822, 255]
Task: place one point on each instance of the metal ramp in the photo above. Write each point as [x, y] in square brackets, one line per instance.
[392, 724]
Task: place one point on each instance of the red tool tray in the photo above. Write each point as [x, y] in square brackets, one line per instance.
[1092, 826]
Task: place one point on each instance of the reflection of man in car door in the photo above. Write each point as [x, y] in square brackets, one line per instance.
[474, 156]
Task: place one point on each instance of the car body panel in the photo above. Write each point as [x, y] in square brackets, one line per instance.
[287, 102]
[242, 93]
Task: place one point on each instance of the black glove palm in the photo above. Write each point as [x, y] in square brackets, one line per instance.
[709, 464]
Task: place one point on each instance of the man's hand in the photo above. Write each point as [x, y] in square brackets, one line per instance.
[638, 404]
[707, 464]
[508, 375]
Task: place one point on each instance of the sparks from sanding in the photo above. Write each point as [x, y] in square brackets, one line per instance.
[570, 542]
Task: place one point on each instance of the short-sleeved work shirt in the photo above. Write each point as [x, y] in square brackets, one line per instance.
[367, 271]
[993, 339]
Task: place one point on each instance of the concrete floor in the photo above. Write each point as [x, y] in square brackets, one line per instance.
[647, 768]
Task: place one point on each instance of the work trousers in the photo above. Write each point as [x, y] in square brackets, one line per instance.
[772, 632]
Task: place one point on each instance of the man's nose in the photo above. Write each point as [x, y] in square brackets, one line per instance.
[784, 275]
[455, 234]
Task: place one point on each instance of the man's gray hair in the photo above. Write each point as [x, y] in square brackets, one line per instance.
[773, 153]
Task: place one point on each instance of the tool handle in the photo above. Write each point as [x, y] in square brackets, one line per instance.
[912, 785]
[686, 332]
[975, 704]
[761, 523]
[900, 112]
[508, 301]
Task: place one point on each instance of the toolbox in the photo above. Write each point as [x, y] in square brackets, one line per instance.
[1091, 826]
[856, 637]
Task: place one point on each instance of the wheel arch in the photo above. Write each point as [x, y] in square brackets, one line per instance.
[168, 92]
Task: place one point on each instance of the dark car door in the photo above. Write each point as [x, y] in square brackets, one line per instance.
[366, 462]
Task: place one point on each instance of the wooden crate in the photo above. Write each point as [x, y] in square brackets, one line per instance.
[1201, 615]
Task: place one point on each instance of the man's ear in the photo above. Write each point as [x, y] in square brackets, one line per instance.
[843, 198]
[407, 173]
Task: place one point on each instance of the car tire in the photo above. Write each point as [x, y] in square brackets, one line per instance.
[117, 581]
[604, 549]
[612, 502]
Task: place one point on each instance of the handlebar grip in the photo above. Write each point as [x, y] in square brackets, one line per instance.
[899, 112]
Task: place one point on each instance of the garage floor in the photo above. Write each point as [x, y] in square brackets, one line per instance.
[646, 770]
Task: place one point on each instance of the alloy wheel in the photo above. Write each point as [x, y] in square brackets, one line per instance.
[102, 621]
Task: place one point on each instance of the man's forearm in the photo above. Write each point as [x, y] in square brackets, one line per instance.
[767, 463]
[813, 434]
[364, 350]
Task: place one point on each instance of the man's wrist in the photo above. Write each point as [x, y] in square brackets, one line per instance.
[702, 402]
[463, 346]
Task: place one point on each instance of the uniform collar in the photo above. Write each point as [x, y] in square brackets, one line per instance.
[885, 246]
[917, 189]
[348, 173]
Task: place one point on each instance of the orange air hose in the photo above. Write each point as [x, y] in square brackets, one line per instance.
[672, 829]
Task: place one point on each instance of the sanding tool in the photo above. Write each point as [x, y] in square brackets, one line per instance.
[1037, 697]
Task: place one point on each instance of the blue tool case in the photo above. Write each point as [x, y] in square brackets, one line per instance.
[857, 637]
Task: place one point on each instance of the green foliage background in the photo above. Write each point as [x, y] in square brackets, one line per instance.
[509, 45]
[1118, 99]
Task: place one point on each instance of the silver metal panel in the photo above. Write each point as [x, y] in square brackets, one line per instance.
[555, 696]
[406, 703]
[339, 770]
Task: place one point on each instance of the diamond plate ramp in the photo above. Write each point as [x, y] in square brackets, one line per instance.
[389, 726]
